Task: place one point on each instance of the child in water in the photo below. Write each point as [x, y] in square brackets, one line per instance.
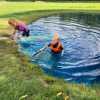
[56, 45]
[19, 27]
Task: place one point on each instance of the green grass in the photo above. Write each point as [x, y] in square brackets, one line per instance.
[34, 10]
[27, 17]
[12, 7]
[21, 80]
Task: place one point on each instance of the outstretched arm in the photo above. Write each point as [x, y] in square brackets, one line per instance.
[49, 44]
[13, 34]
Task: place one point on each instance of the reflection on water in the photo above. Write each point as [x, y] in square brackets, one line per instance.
[80, 34]
[82, 18]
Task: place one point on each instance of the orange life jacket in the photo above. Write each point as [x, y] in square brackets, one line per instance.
[57, 49]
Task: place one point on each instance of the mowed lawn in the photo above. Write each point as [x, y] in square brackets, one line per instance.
[12, 7]
[7, 8]
[16, 9]
[21, 80]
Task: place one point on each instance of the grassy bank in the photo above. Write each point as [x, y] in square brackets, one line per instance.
[20, 80]
[27, 17]
[12, 7]
[23, 10]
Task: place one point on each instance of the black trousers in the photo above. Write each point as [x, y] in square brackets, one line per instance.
[26, 33]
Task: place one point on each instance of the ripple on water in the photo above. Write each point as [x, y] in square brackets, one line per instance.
[81, 59]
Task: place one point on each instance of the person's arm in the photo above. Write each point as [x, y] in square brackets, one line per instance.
[49, 44]
[13, 34]
[61, 47]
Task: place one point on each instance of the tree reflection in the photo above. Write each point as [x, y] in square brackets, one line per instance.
[82, 18]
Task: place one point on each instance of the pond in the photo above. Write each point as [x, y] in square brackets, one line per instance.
[80, 35]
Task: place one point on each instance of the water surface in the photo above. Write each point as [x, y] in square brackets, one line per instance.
[80, 35]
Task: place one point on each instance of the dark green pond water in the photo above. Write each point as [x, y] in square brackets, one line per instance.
[80, 35]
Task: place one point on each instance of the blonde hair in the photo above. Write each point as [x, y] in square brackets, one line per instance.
[12, 22]
[56, 36]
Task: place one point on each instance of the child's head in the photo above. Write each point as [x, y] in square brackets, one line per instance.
[12, 22]
[55, 37]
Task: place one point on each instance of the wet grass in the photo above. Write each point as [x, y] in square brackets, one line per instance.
[21, 80]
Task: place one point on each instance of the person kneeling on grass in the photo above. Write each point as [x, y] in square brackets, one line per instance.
[56, 45]
[20, 29]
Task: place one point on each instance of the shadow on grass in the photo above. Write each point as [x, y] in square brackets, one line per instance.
[40, 13]
[32, 12]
